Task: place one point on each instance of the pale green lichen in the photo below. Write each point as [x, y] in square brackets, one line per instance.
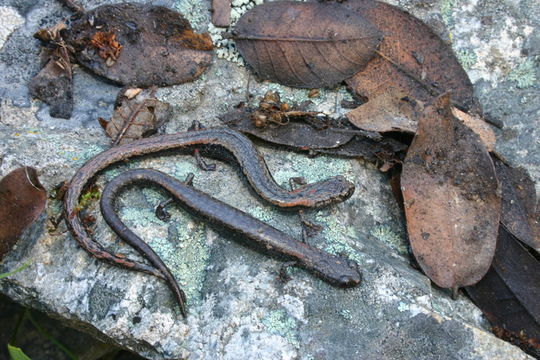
[346, 314]
[447, 9]
[467, 58]
[403, 307]
[195, 11]
[524, 74]
[186, 255]
[385, 234]
[79, 157]
[311, 168]
[277, 322]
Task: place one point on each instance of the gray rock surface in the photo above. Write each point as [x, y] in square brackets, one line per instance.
[238, 308]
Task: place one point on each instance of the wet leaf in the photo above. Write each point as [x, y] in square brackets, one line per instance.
[139, 45]
[137, 114]
[518, 203]
[293, 134]
[306, 45]
[451, 199]
[22, 200]
[54, 83]
[331, 141]
[508, 294]
[409, 47]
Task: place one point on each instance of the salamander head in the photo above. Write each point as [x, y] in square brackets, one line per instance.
[339, 271]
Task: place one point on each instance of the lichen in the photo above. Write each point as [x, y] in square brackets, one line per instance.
[195, 11]
[385, 234]
[80, 156]
[524, 74]
[277, 322]
[447, 9]
[346, 314]
[467, 58]
[181, 243]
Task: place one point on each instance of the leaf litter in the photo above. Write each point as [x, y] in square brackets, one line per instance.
[508, 294]
[22, 200]
[451, 198]
[130, 44]
[305, 45]
[137, 113]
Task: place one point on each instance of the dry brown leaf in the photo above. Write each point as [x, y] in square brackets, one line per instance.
[139, 45]
[479, 126]
[54, 83]
[409, 46]
[22, 200]
[388, 111]
[306, 45]
[393, 111]
[451, 198]
[136, 114]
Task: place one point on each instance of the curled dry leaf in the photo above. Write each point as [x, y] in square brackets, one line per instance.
[139, 45]
[451, 199]
[409, 47]
[137, 114]
[508, 294]
[518, 203]
[54, 83]
[306, 45]
[22, 200]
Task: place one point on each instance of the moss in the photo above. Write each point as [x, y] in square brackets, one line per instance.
[524, 74]
[277, 322]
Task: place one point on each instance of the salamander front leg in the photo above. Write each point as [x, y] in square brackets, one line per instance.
[161, 211]
[309, 228]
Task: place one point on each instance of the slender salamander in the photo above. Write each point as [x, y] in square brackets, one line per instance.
[220, 143]
[221, 216]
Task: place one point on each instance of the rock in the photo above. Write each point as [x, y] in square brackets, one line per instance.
[238, 308]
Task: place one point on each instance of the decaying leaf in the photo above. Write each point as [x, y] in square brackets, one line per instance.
[137, 114]
[22, 200]
[139, 45]
[508, 294]
[518, 203]
[54, 83]
[292, 133]
[394, 111]
[306, 45]
[409, 47]
[451, 197]
[330, 140]
[388, 111]
[479, 126]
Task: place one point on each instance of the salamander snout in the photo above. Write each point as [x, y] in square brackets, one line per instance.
[350, 280]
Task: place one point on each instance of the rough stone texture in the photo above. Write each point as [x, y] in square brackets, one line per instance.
[238, 308]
